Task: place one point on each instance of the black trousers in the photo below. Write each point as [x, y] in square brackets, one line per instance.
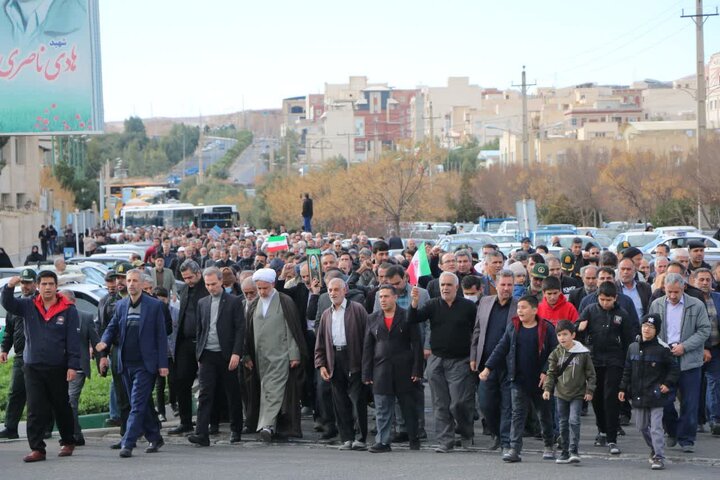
[605, 401]
[47, 394]
[349, 399]
[160, 388]
[120, 392]
[185, 372]
[213, 370]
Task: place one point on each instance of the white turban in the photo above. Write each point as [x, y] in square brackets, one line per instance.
[264, 275]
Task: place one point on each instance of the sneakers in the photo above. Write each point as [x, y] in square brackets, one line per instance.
[346, 445]
[657, 464]
[380, 448]
[688, 448]
[715, 429]
[563, 458]
[443, 449]
[548, 453]
[574, 457]
[614, 450]
[512, 456]
[265, 435]
[601, 440]
[358, 445]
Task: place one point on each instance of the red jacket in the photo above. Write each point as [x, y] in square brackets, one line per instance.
[562, 310]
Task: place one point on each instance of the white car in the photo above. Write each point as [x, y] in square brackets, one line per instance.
[712, 246]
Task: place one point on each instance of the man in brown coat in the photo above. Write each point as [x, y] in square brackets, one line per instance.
[338, 355]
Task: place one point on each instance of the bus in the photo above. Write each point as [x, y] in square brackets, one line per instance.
[173, 215]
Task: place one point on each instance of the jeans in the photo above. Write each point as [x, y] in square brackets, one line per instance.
[307, 227]
[452, 388]
[114, 408]
[684, 427]
[496, 405]
[521, 401]
[568, 415]
[74, 390]
[712, 375]
[384, 407]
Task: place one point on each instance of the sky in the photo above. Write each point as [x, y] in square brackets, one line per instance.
[188, 57]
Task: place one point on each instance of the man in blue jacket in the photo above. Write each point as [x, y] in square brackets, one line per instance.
[51, 356]
[139, 325]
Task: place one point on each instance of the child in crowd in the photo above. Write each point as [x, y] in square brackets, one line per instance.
[524, 348]
[554, 306]
[571, 375]
[650, 371]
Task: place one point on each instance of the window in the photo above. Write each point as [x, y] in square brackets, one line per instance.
[20, 151]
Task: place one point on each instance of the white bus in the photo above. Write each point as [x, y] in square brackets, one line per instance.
[174, 215]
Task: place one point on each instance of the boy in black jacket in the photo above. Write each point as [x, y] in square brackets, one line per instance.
[524, 348]
[650, 371]
[608, 332]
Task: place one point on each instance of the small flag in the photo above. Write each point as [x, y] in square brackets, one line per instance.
[215, 232]
[276, 243]
[419, 265]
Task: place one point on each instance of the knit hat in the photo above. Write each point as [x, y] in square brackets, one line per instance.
[653, 319]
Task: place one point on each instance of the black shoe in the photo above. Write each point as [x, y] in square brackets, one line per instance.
[80, 441]
[116, 446]
[332, 433]
[154, 447]
[400, 437]
[265, 435]
[9, 434]
[512, 457]
[180, 430]
[422, 434]
[414, 445]
[246, 430]
[126, 453]
[214, 430]
[113, 422]
[235, 437]
[715, 429]
[380, 448]
[621, 431]
[47, 435]
[201, 440]
[624, 420]
[496, 443]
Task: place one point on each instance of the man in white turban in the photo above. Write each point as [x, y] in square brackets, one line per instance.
[275, 352]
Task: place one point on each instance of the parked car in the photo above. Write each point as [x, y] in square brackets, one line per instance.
[712, 246]
[636, 238]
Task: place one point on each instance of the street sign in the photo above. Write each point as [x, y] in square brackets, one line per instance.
[526, 216]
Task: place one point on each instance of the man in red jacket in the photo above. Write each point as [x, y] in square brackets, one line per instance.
[554, 306]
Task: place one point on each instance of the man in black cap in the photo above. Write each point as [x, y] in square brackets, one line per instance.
[696, 248]
[526, 246]
[634, 254]
[563, 269]
[15, 338]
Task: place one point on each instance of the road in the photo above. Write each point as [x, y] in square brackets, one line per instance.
[302, 461]
[249, 164]
[212, 154]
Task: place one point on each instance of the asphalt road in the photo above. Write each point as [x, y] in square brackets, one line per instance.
[307, 461]
[249, 165]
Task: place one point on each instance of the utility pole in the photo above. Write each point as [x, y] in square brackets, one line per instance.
[287, 153]
[699, 18]
[525, 135]
[201, 173]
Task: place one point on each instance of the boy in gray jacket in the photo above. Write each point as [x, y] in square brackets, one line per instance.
[571, 375]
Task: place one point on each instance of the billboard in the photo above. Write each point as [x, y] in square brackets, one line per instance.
[50, 80]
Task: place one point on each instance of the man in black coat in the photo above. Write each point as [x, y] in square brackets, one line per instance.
[307, 212]
[392, 361]
[220, 337]
[185, 354]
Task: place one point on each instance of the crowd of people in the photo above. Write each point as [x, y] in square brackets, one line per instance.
[270, 335]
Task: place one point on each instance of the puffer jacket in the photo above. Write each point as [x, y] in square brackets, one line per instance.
[647, 366]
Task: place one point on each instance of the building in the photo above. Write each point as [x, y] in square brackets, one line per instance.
[713, 98]
[24, 205]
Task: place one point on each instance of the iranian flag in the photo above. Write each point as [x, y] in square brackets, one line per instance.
[419, 265]
[276, 243]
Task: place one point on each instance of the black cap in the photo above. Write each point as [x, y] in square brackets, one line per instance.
[28, 275]
[525, 239]
[110, 275]
[695, 244]
[631, 252]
